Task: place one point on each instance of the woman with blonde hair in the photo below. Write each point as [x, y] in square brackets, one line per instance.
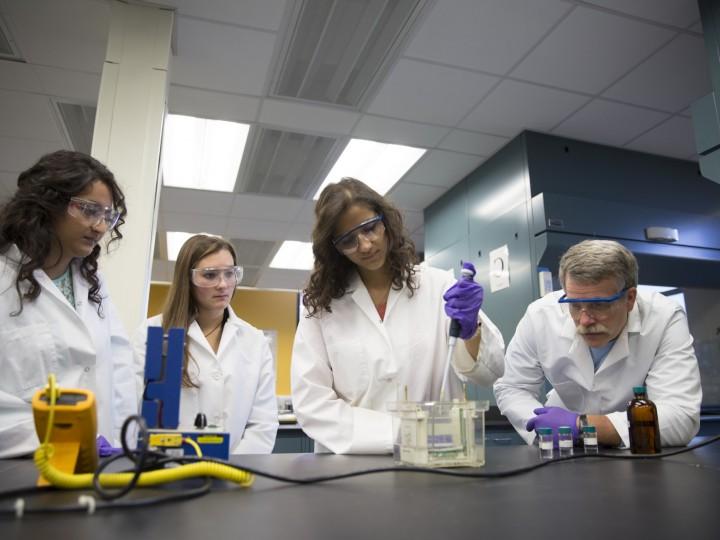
[228, 370]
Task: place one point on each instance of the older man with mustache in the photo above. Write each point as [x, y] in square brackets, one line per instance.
[593, 342]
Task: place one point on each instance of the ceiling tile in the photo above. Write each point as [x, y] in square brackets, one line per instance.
[300, 231]
[605, 122]
[221, 57]
[82, 88]
[514, 106]
[20, 77]
[8, 185]
[215, 203]
[52, 34]
[247, 206]
[257, 229]
[473, 143]
[442, 168]
[671, 79]
[307, 213]
[589, 50]
[390, 130]
[672, 138]
[680, 13]
[215, 105]
[265, 14]
[16, 155]
[194, 223]
[413, 220]
[487, 36]
[430, 93]
[28, 116]
[307, 118]
[415, 196]
[276, 278]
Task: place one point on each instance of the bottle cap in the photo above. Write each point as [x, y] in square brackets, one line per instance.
[589, 429]
[564, 429]
[639, 389]
[544, 431]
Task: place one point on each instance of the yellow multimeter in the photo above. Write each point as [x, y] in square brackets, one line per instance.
[73, 431]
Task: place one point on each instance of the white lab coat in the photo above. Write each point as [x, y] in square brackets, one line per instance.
[654, 349]
[81, 348]
[236, 386]
[348, 364]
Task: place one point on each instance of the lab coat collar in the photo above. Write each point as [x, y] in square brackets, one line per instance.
[360, 295]
[232, 326]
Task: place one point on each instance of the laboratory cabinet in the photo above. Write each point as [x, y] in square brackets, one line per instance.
[540, 194]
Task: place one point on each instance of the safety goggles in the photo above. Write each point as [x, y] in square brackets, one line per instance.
[595, 307]
[370, 230]
[212, 277]
[93, 213]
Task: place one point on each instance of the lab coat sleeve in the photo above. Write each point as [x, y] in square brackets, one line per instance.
[323, 415]
[673, 384]
[262, 425]
[124, 388]
[518, 391]
[489, 364]
[17, 427]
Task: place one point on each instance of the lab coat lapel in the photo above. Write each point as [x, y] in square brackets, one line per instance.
[621, 350]
[361, 297]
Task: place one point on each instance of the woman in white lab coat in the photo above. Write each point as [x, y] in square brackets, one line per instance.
[55, 312]
[374, 328]
[228, 369]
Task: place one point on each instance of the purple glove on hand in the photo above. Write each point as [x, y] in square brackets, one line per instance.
[463, 301]
[104, 448]
[554, 417]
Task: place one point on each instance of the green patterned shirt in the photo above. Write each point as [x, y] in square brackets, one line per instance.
[65, 284]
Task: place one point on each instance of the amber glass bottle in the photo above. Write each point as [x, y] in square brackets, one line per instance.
[644, 430]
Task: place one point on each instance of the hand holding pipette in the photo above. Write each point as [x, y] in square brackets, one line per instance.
[462, 304]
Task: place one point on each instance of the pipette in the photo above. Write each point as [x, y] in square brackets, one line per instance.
[454, 333]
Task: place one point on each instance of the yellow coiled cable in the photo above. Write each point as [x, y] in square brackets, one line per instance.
[65, 480]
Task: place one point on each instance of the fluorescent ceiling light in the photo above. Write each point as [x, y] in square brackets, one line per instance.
[202, 154]
[379, 165]
[294, 255]
[175, 241]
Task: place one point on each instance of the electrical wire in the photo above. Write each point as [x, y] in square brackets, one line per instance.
[205, 488]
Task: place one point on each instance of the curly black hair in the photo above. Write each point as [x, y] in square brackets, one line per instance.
[28, 219]
[332, 272]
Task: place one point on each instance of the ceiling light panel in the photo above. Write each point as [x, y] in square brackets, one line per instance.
[202, 154]
[285, 163]
[337, 49]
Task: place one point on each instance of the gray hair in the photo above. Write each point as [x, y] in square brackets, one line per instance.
[591, 261]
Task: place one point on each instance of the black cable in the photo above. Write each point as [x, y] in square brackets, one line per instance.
[205, 488]
[138, 458]
[185, 494]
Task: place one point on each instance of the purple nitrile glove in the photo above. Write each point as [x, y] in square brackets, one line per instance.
[104, 448]
[463, 301]
[554, 417]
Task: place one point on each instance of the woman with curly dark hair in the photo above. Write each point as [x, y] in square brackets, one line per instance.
[55, 312]
[375, 327]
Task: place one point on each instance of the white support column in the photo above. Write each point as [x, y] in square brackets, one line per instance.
[128, 130]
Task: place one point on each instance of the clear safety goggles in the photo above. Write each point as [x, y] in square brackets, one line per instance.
[212, 277]
[597, 308]
[370, 230]
[93, 213]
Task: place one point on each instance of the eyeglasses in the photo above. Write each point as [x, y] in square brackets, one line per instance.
[92, 212]
[212, 277]
[370, 230]
[595, 307]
